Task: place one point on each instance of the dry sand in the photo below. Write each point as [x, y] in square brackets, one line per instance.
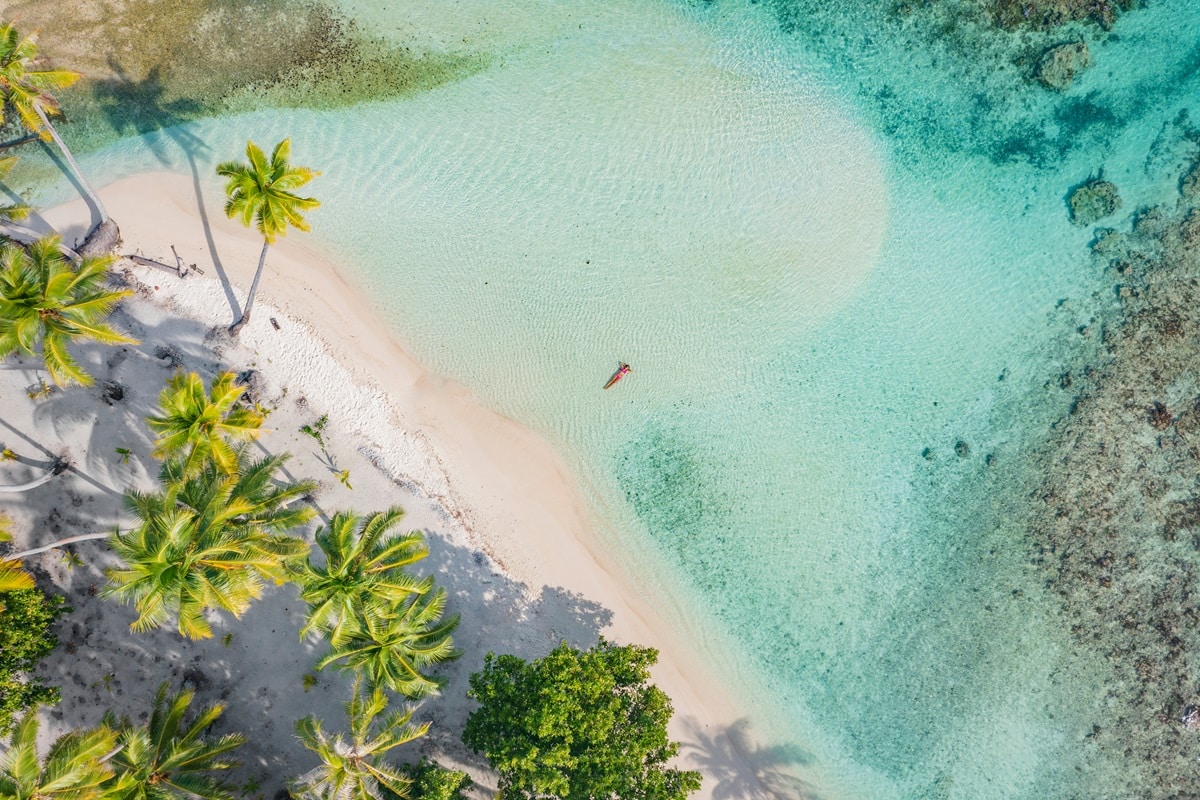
[510, 536]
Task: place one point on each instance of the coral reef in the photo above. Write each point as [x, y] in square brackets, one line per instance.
[1117, 527]
[1093, 201]
[1059, 65]
[1052, 13]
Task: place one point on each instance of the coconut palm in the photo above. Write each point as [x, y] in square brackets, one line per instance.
[391, 643]
[166, 759]
[12, 576]
[261, 193]
[46, 303]
[352, 768]
[26, 88]
[195, 425]
[75, 768]
[365, 562]
[11, 212]
[208, 540]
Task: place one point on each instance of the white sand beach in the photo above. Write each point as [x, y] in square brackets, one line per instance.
[510, 535]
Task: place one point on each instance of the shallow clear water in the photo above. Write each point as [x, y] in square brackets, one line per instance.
[831, 249]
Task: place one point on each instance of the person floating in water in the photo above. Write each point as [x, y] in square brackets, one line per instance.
[621, 372]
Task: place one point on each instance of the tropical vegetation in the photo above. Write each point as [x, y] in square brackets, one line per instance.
[27, 618]
[194, 425]
[207, 541]
[577, 725]
[364, 572]
[47, 303]
[352, 766]
[168, 758]
[27, 87]
[75, 768]
[395, 647]
[261, 192]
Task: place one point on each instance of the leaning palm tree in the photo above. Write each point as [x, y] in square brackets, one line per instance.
[261, 193]
[11, 212]
[75, 768]
[195, 426]
[352, 768]
[208, 540]
[365, 562]
[166, 759]
[45, 303]
[391, 644]
[26, 88]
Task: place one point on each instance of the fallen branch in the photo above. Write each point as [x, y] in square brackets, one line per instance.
[150, 262]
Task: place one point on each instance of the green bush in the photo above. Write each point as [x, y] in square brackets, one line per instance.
[26, 617]
[577, 725]
[432, 781]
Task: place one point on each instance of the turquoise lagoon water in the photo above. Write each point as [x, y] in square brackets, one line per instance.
[832, 247]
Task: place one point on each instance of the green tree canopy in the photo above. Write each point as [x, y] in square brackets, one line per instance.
[365, 563]
[352, 768]
[261, 192]
[74, 769]
[26, 618]
[194, 425]
[27, 87]
[577, 725]
[392, 645]
[45, 303]
[207, 541]
[167, 759]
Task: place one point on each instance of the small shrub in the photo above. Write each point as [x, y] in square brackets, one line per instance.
[26, 617]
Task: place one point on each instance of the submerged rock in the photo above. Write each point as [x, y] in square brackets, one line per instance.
[1060, 64]
[1093, 201]
[1189, 186]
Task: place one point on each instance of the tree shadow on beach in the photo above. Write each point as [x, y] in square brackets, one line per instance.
[726, 755]
[128, 379]
[500, 615]
[162, 123]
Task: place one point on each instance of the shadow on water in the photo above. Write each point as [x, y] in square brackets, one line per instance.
[725, 755]
[169, 118]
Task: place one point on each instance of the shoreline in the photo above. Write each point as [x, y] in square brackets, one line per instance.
[508, 490]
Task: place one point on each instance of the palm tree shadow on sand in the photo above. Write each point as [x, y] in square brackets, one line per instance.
[140, 108]
[725, 754]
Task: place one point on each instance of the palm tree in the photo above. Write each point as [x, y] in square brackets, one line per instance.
[208, 540]
[389, 644]
[261, 193]
[12, 576]
[196, 426]
[26, 88]
[11, 212]
[74, 769]
[45, 303]
[352, 769]
[364, 562]
[165, 759]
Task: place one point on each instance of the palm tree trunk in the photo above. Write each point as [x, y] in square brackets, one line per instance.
[62, 146]
[25, 235]
[236, 327]
[19, 141]
[25, 487]
[83, 537]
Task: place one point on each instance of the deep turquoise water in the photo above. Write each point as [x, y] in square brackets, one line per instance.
[833, 246]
